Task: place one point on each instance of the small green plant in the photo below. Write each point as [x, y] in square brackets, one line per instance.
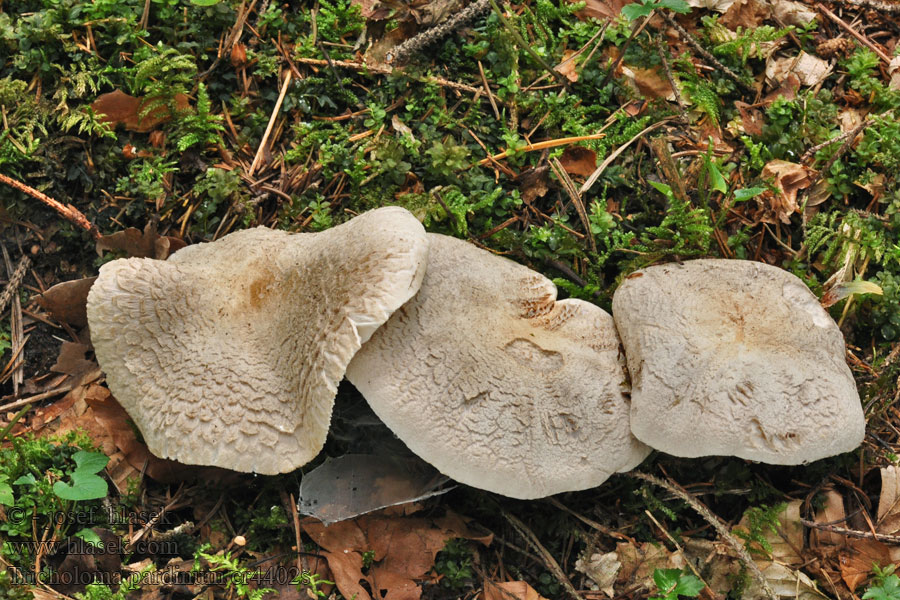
[885, 584]
[761, 521]
[454, 563]
[642, 8]
[311, 581]
[101, 591]
[236, 579]
[672, 584]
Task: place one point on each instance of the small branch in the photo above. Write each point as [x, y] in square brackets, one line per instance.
[717, 524]
[861, 38]
[421, 41]
[69, 212]
[272, 119]
[545, 555]
[635, 31]
[15, 281]
[891, 9]
[609, 159]
[541, 146]
[560, 78]
[865, 535]
[850, 138]
[385, 70]
[705, 53]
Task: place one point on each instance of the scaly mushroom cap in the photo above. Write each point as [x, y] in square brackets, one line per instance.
[733, 357]
[485, 376]
[229, 353]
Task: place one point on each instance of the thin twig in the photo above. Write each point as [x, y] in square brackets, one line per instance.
[891, 9]
[705, 53]
[14, 282]
[487, 89]
[717, 524]
[272, 119]
[850, 138]
[542, 146]
[572, 191]
[37, 397]
[861, 38]
[636, 29]
[609, 159]
[72, 214]
[438, 32]
[386, 70]
[866, 535]
[560, 78]
[671, 78]
[546, 557]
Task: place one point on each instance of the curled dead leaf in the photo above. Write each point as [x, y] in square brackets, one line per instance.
[146, 244]
[66, 301]
[577, 160]
[789, 178]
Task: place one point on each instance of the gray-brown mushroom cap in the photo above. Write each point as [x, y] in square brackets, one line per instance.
[731, 357]
[488, 378]
[229, 353]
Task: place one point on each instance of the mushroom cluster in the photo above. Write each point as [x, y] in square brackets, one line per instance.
[468, 357]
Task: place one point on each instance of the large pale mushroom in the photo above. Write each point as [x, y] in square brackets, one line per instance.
[731, 357]
[487, 377]
[229, 353]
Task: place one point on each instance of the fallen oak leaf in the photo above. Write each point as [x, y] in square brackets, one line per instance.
[66, 301]
[510, 590]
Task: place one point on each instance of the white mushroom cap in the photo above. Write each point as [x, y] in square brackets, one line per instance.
[229, 353]
[733, 357]
[485, 376]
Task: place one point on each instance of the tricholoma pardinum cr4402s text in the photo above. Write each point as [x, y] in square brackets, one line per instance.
[229, 354]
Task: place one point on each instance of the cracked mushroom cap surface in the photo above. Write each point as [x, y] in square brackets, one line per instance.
[734, 357]
[487, 377]
[229, 353]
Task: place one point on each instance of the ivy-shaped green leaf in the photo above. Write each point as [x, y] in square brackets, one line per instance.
[86, 484]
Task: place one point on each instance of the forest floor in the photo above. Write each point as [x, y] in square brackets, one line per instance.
[582, 140]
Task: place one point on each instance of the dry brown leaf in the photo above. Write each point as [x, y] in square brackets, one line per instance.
[752, 119]
[793, 13]
[789, 178]
[889, 502]
[533, 183]
[745, 13]
[66, 301]
[577, 160]
[831, 512]
[810, 70]
[639, 561]
[602, 569]
[400, 127]
[71, 360]
[119, 108]
[650, 83]
[856, 562]
[604, 10]
[716, 5]
[146, 244]
[787, 541]
[567, 67]
[894, 72]
[510, 590]
[404, 550]
[787, 89]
